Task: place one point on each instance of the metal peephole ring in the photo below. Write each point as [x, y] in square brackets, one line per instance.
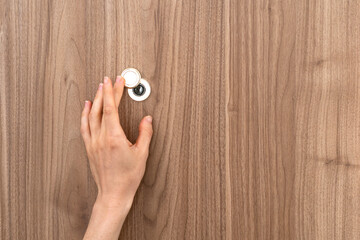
[138, 88]
[141, 91]
[132, 77]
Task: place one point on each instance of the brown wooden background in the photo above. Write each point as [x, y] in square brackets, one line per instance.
[256, 107]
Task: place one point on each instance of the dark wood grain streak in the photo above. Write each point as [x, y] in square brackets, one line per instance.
[256, 116]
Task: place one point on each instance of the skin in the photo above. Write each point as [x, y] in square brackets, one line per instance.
[117, 165]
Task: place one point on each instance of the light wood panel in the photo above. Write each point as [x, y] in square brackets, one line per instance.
[261, 119]
[327, 118]
[255, 106]
[293, 119]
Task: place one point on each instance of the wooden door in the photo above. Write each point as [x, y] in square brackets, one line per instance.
[256, 107]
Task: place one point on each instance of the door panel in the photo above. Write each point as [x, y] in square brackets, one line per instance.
[255, 105]
[293, 115]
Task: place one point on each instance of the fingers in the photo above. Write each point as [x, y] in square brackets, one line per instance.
[110, 112]
[85, 128]
[145, 133]
[96, 111]
[118, 89]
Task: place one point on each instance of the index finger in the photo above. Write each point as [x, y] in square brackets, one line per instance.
[118, 89]
[110, 112]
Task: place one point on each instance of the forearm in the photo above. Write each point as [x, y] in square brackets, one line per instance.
[106, 221]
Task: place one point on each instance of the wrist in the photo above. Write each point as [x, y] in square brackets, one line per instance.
[107, 218]
[108, 212]
[113, 204]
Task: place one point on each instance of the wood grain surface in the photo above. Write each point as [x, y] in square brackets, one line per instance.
[293, 120]
[256, 107]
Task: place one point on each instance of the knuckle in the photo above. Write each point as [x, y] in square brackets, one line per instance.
[83, 130]
[114, 133]
[151, 131]
[92, 116]
[112, 140]
[108, 110]
[83, 120]
[148, 131]
[97, 145]
[143, 151]
[111, 143]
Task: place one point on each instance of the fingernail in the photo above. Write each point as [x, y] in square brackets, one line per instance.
[149, 119]
[86, 103]
[118, 79]
[106, 80]
[100, 86]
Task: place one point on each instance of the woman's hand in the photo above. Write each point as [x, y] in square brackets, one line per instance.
[116, 164]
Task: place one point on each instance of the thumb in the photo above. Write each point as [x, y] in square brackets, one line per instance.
[145, 133]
